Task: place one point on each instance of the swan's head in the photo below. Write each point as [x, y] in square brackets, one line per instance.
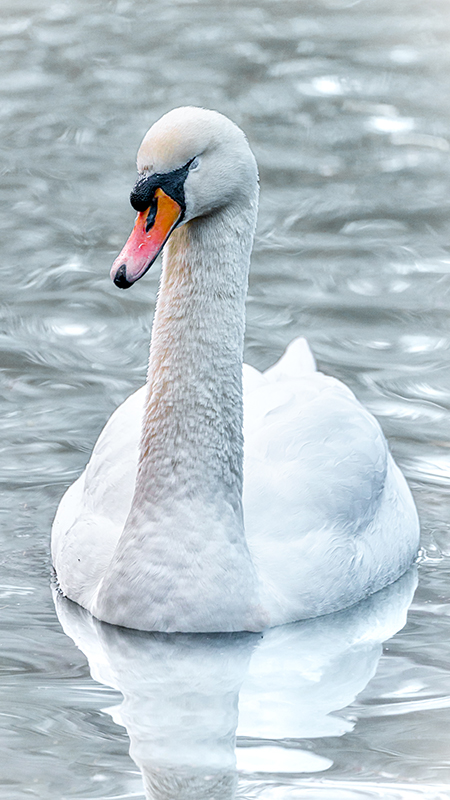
[190, 163]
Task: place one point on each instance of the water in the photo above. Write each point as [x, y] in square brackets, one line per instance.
[347, 107]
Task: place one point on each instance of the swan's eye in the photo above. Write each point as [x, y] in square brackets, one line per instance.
[194, 163]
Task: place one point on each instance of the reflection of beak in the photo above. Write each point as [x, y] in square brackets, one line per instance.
[149, 235]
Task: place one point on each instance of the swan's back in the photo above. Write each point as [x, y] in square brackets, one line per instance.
[328, 515]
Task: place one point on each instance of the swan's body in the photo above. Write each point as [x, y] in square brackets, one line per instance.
[154, 534]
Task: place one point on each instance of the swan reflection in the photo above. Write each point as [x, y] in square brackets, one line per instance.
[186, 697]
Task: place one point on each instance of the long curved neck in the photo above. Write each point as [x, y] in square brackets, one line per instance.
[192, 428]
[182, 560]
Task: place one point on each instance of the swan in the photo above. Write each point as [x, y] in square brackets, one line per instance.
[175, 525]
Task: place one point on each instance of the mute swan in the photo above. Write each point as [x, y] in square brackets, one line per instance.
[172, 527]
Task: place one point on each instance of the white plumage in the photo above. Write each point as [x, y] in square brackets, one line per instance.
[153, 535]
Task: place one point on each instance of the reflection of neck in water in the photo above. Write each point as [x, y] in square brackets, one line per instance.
[189, 784]
[180, 708]
[182, 691]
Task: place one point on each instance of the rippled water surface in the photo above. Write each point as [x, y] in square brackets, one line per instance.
[347, 107]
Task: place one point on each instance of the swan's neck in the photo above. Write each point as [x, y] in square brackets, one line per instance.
[185, 530]
[192, 430]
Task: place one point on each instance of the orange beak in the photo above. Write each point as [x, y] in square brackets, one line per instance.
[149, 235]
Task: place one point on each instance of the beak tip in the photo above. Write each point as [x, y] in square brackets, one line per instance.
[120, 278]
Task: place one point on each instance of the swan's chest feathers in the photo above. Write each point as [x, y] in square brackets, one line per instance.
[321, 493]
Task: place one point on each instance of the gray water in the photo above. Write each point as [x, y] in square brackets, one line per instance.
[346, 104]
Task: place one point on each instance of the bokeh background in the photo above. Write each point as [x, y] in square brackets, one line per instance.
[346, 104]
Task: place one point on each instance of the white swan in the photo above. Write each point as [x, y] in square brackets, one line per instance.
[167, 529]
